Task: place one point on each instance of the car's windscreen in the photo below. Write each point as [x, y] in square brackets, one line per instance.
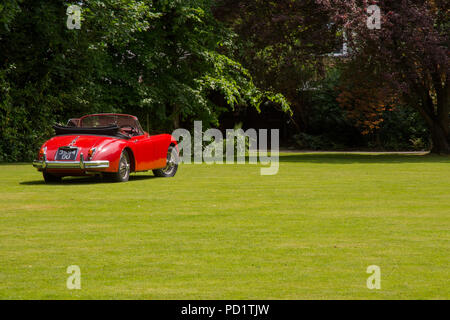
[111, 120]
[107, 120]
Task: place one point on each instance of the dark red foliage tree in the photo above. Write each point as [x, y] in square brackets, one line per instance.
[408, 55]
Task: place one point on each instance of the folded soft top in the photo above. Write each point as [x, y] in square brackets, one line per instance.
[112, 130]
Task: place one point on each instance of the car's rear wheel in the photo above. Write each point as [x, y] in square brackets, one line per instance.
[123, 173]
[50, 178]
[171, 165]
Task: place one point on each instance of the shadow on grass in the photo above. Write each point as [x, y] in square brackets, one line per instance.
[86, 180]
[348, 158]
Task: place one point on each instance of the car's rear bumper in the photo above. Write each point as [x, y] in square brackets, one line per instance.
[82, 165]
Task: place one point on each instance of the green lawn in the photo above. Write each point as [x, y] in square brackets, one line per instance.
[225, 232]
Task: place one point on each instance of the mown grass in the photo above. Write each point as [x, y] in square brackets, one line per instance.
[226, 232]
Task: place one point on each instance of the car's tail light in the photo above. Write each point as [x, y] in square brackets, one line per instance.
[91, 153]
[42, 152]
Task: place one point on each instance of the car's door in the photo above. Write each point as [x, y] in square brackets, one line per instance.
[147, 153]
[143, 152]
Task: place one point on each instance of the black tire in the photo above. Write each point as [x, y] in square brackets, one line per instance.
[50, 178]
[123, 173]
[171, 165]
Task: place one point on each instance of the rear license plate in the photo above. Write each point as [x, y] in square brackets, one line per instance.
[66, 154]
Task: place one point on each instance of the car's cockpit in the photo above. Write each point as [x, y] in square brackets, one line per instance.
[127, 125]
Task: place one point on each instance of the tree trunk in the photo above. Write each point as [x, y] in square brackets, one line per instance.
[436, 116]
[175, 116]
[441, 127]
[440, 139]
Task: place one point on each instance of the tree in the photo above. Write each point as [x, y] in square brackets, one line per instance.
[8, 10]
[156, 57]
[407, 59]
[282, 43]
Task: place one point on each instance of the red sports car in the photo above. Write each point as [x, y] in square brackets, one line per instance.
[113, 145]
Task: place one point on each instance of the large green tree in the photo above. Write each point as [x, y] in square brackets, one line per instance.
[160, 58]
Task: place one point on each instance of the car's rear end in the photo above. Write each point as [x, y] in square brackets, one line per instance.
[78, 155]
[93, 144]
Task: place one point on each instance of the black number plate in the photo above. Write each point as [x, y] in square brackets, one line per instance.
[66, 154]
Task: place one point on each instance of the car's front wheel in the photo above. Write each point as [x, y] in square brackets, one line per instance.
[171, 165]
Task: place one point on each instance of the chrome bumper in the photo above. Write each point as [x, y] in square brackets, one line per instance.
[82, 165]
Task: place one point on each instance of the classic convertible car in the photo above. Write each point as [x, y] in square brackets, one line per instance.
[113, 145]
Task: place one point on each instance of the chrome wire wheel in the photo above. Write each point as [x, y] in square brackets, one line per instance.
[124, 167]
[123, 172]
[171, 162]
